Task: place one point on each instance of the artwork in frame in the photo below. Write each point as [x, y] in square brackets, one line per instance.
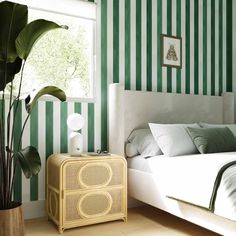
[171, 51]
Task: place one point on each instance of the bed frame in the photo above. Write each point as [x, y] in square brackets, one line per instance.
[135, 109]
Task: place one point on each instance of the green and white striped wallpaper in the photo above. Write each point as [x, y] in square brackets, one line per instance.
[131, 46]
[47, 130]
[129, 52]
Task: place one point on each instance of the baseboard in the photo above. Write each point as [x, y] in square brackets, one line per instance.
[34, 209]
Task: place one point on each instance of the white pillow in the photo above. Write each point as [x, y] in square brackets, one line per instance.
[130, 150]
[232, 127]
[143, 141]
[173, 139]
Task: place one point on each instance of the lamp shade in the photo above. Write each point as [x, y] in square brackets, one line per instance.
[75, 121]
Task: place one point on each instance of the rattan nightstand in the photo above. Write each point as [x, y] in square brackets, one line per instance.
[86, 190]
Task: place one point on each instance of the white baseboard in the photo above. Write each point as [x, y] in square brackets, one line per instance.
[34, 209]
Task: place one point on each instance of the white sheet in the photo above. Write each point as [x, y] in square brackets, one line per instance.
[189, 178]
[142, 164]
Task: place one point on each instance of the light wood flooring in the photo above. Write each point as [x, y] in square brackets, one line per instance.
[142, 221]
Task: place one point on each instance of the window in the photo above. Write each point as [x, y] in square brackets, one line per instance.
[64, 58]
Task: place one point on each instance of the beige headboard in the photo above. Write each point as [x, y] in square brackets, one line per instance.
[135, 109]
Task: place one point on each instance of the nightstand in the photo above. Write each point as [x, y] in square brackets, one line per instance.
[86, 190]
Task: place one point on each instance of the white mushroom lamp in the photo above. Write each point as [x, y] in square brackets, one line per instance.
[75, 122]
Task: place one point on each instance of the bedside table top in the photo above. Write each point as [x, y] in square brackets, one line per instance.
[65, 157]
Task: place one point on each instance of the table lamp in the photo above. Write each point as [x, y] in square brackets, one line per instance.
[75, 122]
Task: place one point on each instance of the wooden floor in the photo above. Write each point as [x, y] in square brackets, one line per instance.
[142, 221]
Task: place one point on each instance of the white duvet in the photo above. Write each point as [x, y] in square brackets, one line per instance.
[191, 179]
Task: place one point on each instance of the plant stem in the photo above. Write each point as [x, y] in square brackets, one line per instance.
[16, 100]
[22, 130]
[17, 103]
[5, 185]
[8, 165]
[9, 116]
[12, 182]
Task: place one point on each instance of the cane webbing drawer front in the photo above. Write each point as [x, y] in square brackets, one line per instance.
[86, 190]
[87, 174]
[53, 204]
[93, 204]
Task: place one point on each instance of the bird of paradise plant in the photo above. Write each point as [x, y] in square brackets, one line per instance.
[17, 38]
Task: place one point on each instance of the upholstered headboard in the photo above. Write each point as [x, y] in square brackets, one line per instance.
[135, 109]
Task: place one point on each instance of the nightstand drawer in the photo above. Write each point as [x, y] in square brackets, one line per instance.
[95, 174]
[93, 204]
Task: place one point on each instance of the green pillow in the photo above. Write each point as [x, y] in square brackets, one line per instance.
[210, 140]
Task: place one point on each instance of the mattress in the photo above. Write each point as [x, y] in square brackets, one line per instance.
[156, 163]
[140, 163]
[191, 178]
[152, 164]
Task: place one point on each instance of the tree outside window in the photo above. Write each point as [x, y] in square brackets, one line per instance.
[63, 58]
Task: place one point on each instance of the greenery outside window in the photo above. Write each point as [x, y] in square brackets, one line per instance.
[70, 64]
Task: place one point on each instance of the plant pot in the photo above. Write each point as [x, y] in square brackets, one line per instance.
[11, 221]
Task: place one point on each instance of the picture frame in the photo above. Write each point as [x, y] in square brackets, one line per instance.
[171, 51]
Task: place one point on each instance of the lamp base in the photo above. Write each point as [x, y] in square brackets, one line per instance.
[75, 144]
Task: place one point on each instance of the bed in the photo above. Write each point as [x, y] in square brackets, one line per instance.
[129, 110]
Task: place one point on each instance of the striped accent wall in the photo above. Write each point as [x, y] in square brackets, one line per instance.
[47, 130]
[129, 50]
[132, 55]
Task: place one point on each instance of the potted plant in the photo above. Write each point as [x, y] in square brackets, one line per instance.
[17, 38]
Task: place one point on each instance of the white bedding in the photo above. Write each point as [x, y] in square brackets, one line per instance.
[140, 163]
[189, 178]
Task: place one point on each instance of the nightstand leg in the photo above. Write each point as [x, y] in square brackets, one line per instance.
[61, 230]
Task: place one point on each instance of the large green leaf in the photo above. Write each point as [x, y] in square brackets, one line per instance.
[31, 33]
[49, 90]
[29, 160]
[11, 70]
[13, 18]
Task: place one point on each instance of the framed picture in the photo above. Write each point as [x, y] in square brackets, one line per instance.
[171, 51]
